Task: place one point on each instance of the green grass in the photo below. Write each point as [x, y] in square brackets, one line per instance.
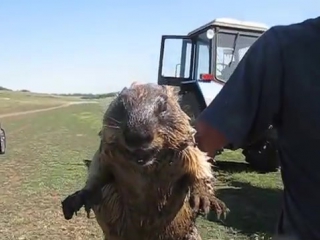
[11, 101]
[43, 164]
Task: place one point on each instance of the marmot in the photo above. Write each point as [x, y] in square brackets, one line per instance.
[153, 180]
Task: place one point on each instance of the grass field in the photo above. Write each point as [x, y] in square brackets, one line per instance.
[24, 101]
[43, 164]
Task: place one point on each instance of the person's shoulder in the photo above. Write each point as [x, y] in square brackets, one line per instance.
[296, 32]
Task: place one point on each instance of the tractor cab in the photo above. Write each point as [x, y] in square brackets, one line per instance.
[207, 56]
[201, 62]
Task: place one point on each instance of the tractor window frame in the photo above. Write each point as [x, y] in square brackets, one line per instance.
[212, 50]
[174, 80]
[197, 52]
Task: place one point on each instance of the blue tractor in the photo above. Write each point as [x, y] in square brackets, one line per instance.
[201, 62]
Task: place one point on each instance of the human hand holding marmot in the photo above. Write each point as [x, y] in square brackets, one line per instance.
[209, 139]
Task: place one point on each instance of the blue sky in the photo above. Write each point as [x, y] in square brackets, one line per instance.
[101, 45]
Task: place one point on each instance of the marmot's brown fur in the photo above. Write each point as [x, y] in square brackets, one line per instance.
[159, 177]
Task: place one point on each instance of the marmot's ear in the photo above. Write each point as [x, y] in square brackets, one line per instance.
[87, 162]
[135, 84]
[172, 90]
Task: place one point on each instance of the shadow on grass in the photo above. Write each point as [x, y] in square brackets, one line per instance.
[252, 209]
[232, 167]
[237, 167]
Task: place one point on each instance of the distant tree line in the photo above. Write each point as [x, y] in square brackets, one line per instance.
[4, 89]
[81, 95]
[10, 90]
[90, 95]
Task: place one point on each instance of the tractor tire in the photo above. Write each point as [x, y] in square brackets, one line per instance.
[263, 156]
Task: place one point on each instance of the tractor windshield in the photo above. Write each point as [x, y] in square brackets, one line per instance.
[230, 49]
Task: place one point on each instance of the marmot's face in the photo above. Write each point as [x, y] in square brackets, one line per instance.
[142, 120]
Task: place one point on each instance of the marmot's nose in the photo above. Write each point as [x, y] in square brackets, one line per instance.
[137, 139]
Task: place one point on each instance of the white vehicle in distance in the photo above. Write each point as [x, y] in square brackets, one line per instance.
[201, 62]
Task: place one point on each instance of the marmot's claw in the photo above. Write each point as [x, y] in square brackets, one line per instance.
[200, 204]
[87, 208]
[203, 204]
[72, 204]
[219, 207]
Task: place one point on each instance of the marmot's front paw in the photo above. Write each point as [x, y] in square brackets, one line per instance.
[72, 204]
[203, 199]
[200, 204]
[219, 207]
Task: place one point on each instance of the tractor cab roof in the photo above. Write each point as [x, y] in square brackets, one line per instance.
[233, 24]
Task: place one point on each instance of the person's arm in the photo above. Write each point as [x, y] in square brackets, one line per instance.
[249, 101]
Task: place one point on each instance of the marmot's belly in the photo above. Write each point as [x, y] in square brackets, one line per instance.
[120, 222]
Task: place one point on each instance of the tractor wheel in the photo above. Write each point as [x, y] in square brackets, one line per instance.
[264, 158]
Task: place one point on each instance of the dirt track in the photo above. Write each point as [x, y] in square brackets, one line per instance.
[42, 109]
